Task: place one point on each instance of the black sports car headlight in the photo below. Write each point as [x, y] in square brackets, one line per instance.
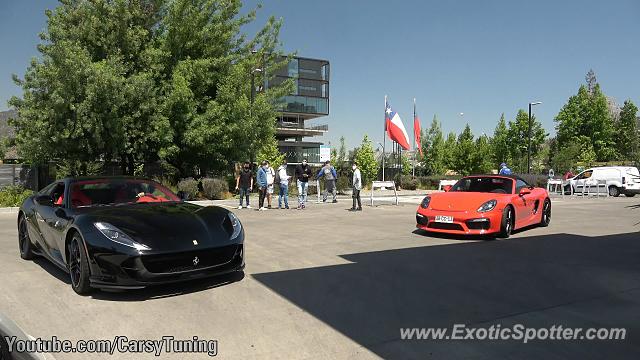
[488, 206]
[235, 226]
[425, 202]
[116, 235]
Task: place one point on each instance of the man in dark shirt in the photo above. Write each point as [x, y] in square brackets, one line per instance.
[303, 173]
[244, 183]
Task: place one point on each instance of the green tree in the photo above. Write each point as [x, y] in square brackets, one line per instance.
[587, 114]
[144, 80]
[433, 147]
[627, 132]
[518, 140]
[449, 150]
[500, 146]
[577, 151]
[464, 153]
[482, 160]
[365, 157]
[270, 153]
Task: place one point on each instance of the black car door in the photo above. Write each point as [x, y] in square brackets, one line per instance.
[50, 222]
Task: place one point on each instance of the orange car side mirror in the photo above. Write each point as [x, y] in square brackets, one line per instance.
[524, 191]
[446, 188]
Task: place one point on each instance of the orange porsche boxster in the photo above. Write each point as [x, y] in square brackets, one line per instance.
[485, 205]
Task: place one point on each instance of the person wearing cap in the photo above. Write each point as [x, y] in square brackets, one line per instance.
[357, 186]
[330, 176]
[504, 169]
[303, 173]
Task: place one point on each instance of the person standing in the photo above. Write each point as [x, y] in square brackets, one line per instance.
[282, 178]
[357, 186]
[261, 178]
[244, 184]
[330, 176]
[504, 169]
[271, 176]
[303, 173]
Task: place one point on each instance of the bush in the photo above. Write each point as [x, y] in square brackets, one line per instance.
[11, 196]
[215, 189]
[408, 182]
[343, 184]
[432, 182]
[189, 186]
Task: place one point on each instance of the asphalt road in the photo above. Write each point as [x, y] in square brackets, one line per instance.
[325, 283]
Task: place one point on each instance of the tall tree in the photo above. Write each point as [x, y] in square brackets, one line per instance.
[433, 148]
[482, 161]
[464, 152]
[365, 157]
[627, 132]
[147, 79]
[449, 150]
[518, 140]
[500, 146]
[591, 80]
[587, 114]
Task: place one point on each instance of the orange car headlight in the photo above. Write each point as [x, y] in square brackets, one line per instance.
[488, 206]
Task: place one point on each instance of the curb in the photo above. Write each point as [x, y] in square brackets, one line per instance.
[8, 210]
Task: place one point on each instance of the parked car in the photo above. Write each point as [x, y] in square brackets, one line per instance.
[485, 205]
[618, 179]
[127, 233]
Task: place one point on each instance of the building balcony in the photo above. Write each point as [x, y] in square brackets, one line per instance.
[284, 128]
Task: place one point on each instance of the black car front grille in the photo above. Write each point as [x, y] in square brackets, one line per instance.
[445, 226]
[479, 225]
[422, 220]
[190, 260]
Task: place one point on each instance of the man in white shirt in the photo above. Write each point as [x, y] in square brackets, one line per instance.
[357, 186]
[283, 183]
[271, 175]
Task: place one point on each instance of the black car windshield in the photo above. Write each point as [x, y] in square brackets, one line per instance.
[488, 184]
[118, 191]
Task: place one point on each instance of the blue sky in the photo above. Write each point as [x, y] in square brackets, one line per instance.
[480, 58]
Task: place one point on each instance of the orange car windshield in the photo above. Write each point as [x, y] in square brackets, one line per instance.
[117, 192]
[496, 185]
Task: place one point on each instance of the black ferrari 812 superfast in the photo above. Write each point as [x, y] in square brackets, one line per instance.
[127, 233]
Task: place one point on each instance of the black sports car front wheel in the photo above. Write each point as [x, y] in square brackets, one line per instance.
[78, 266]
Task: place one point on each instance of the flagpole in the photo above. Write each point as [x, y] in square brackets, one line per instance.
[414, 138]
[384, 136]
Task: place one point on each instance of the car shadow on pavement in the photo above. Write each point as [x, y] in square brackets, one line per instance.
[52, 269]
[539, 281]
[167, 290]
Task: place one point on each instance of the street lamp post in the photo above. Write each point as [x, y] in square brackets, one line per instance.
[529, 137]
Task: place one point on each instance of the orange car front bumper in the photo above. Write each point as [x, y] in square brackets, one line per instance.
[463, 223]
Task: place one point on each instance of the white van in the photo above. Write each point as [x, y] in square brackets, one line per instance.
[619, 179]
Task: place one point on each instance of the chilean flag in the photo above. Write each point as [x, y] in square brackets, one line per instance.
[395, 128]
[416, 132]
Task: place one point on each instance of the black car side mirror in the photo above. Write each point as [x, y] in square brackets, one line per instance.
[44, 200]
[183, 195]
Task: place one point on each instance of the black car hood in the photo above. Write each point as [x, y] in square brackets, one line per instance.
[167, 226]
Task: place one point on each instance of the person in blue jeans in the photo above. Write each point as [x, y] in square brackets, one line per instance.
[303, 174]
[262, 185]
[244, 184]
[283, 182]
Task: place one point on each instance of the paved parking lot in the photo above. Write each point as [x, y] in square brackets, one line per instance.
[325, 283]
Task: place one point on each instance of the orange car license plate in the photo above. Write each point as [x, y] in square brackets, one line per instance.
[444, 219]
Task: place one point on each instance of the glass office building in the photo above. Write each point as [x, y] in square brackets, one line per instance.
[309, 101]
